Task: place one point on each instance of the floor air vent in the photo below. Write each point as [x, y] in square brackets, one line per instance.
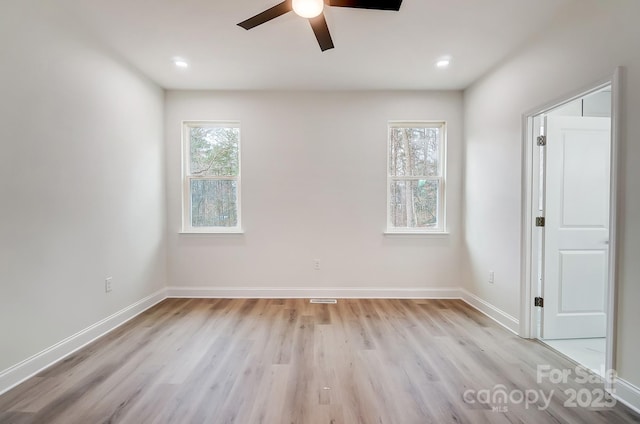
[323, 301]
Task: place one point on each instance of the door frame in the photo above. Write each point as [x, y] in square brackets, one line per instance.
[530, 189]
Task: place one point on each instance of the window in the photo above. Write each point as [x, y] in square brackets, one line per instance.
[416, 177]
[211, 173]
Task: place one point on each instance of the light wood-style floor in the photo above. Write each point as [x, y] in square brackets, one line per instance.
[288, 361]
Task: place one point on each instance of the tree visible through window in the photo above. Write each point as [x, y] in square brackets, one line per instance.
[416, 177]
[211, 176]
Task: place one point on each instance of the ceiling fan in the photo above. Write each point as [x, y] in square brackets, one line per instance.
[312, 10]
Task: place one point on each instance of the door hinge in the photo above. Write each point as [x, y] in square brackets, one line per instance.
[542, 140]
[540, 221]
[538, 301]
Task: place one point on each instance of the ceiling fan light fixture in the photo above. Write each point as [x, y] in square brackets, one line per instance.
[308, 8]
[312, 10]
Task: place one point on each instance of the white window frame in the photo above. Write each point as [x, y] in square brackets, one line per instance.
[186, 178]
[442, 148]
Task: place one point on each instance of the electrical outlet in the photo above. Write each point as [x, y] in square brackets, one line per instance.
[107, 284]
[491, 277]
[316, 264]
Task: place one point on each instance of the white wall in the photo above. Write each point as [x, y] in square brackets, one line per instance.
[313, 186]
[81, 182]
[584, 45]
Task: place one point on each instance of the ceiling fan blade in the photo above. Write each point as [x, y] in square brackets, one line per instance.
[267, 15]
[368, 4]
[321, 30]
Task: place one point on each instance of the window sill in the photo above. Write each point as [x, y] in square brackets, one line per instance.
[216, 232]
[416, 233]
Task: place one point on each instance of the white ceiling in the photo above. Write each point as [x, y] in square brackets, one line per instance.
[374, 49]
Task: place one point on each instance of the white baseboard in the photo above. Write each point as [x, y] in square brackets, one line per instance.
[627, 394]
[305, 293]
[501, 317]
[20, 372]
[507, 321]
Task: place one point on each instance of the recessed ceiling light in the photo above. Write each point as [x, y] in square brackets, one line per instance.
[443, 62]
[180, 63]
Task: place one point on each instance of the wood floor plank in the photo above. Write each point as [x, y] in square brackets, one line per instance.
[270, 397]
[16, 417]
[286, 361]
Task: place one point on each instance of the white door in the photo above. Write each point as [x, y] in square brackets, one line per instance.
[576, 232]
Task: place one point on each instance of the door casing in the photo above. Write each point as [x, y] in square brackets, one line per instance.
[530, 248]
